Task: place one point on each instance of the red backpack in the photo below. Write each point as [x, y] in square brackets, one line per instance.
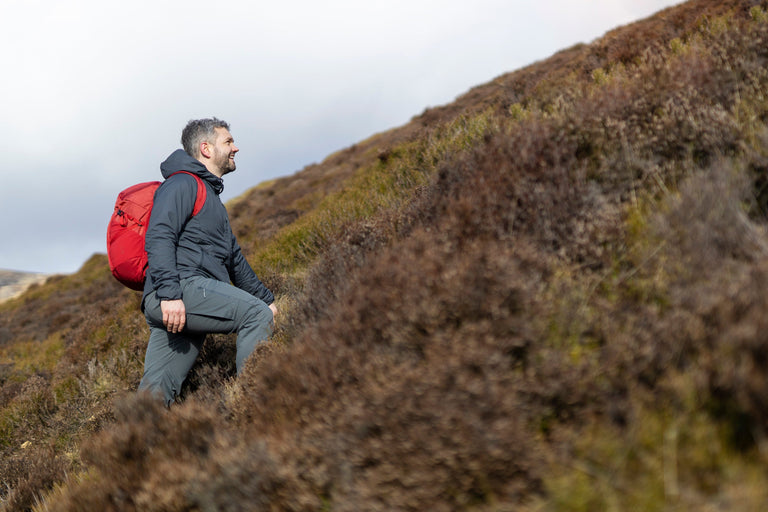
[128, 225]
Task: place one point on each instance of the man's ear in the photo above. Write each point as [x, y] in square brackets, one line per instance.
[205, 149]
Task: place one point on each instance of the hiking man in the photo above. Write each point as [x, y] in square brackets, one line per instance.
[192, 261]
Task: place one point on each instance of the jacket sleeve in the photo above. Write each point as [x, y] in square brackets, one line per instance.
[243, 276]
[172, 207]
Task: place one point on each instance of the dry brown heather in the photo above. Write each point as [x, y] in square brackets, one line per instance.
[548, 295]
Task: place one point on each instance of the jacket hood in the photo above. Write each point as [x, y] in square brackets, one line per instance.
[180, 160]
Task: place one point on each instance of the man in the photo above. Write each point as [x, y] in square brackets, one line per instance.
[192, 261]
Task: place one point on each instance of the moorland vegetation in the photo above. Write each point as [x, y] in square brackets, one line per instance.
[550, 294]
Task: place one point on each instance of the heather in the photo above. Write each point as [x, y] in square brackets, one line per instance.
[548, 295]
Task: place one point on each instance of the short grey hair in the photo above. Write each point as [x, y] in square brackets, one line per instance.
[198, 131]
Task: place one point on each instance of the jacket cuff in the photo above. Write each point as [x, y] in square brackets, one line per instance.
[169, 292]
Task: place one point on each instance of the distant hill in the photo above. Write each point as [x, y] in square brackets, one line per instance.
[550, 294]
[13, 283]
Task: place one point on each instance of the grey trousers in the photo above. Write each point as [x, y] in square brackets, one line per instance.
[212, 307]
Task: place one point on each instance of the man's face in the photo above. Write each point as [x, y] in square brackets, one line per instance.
[224, 150]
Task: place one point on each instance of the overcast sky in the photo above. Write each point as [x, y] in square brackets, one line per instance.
[94, 94]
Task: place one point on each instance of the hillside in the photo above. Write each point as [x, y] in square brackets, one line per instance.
[549, 294]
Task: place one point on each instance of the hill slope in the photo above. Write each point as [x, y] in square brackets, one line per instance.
[548, 295]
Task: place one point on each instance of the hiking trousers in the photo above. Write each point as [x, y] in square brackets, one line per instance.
[211, 307]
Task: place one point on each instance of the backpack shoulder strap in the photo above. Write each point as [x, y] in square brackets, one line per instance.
[201, 192]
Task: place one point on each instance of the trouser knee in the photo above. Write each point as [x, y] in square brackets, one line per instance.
[257, 315]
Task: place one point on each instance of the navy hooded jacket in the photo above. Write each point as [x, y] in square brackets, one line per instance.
[179, 246]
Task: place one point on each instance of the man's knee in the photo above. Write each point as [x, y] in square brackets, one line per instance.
[257, 312]
[256, 322]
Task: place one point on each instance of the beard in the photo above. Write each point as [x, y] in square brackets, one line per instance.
[222, 161]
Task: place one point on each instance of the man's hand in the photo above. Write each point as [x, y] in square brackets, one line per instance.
[174, 314]
[273, 308]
